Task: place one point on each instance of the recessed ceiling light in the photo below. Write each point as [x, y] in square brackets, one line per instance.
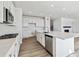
[52, 5]
[40, 13]
[63, 9]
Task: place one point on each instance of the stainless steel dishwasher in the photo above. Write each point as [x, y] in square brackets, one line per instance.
[49, 44]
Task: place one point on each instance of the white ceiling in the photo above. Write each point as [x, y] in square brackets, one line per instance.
[43, 8]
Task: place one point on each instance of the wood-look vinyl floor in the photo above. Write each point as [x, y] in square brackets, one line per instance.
[76, 47]
[30, 48]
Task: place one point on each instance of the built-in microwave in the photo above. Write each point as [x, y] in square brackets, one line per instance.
[8, 17]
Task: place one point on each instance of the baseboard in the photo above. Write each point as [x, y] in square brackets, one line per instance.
[29, 37]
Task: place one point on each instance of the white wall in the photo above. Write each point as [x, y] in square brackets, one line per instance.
[28, 29]
[57, 25]
[5, 29]
[67, 21]
[76, 26]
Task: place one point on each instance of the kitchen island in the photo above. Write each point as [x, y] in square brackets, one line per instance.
[9, 45]
[63, 43]
[6, 45]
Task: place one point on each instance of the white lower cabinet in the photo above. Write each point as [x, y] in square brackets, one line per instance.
[41, 39]
[14, 50]
[11, 51]
[17, 46]
[38, 37]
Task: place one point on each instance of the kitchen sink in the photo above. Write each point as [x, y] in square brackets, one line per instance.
[8, 36]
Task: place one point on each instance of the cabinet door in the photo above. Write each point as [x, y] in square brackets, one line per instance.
[15, 52]
[43, 40]
[40, 38]
[47, 24]
[17, 47]
[37, 36]
[10, 55]
[11, 51]
[40, 23]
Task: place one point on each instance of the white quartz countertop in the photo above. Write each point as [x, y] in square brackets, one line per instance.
[5, 45]
[62, 35]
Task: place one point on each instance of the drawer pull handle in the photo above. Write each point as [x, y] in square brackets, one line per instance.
[10, 55]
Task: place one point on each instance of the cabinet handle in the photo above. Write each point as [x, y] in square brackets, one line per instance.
[15, 44]
[14, 55]
[10, 55]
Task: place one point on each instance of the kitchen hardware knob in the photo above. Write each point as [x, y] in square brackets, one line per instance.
[10, 55]
[15, 44]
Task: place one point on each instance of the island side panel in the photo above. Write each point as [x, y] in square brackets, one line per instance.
[64, 47]
[54, 46]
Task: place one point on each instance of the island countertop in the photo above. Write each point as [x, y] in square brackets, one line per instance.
[5, 45]
[62, 35]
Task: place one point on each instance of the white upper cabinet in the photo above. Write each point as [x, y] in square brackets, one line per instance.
[39, 21]
[47, 24]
